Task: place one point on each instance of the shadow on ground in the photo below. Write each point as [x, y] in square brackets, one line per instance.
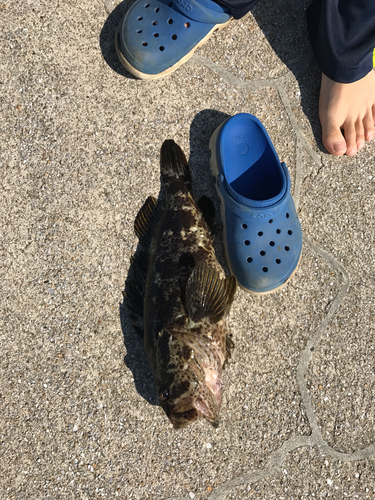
[286, 33]
[288, 36]
[107, 39]
[136, 360]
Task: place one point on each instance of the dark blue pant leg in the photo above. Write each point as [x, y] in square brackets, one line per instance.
[238, 8]
[342, 34]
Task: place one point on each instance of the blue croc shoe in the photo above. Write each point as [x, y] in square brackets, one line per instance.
[155, 37]
[262, 233]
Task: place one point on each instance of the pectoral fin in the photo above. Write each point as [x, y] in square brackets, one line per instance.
[208, 295]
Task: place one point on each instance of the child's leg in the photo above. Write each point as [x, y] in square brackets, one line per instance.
[343, 38]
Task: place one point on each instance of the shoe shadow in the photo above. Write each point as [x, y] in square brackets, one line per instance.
[107, 39]
[202, 127]
[286, 32]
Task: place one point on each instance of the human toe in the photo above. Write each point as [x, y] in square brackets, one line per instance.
[351, 139]
[368, 124]
[360, 133]
[334, 141]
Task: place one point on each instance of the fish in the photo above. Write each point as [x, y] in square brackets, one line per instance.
[178, 297]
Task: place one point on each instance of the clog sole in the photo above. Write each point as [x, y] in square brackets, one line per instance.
[171, 69]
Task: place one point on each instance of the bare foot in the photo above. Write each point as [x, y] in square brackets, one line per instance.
[347, 114]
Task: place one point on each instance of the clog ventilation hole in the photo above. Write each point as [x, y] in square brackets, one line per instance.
[271, 243]
[154, 23]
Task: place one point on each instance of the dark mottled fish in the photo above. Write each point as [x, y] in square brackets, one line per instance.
[178, 297]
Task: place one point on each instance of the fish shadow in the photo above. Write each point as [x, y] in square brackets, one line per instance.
[202, 127]
[136, 360]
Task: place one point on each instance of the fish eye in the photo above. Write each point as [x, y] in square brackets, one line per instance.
[164, 396]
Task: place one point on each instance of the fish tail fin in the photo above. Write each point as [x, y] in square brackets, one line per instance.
[173, 164]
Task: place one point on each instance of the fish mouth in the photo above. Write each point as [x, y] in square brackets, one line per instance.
[190, 409]
[183, 418]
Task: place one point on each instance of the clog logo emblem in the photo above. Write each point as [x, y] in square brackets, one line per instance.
[264, 216]
[242, 148]
[241, 137]
[184, 4]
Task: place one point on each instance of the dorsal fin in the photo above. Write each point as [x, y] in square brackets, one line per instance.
[146, 220]
[135, 287]
[207, 295]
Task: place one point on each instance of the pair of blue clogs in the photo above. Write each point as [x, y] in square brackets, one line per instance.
[262, 233]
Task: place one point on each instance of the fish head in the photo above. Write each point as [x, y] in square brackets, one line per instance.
[188, 377]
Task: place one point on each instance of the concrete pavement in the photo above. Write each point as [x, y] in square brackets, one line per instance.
[80, 141]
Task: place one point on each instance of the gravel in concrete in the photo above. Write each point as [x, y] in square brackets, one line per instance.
[80, 142]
